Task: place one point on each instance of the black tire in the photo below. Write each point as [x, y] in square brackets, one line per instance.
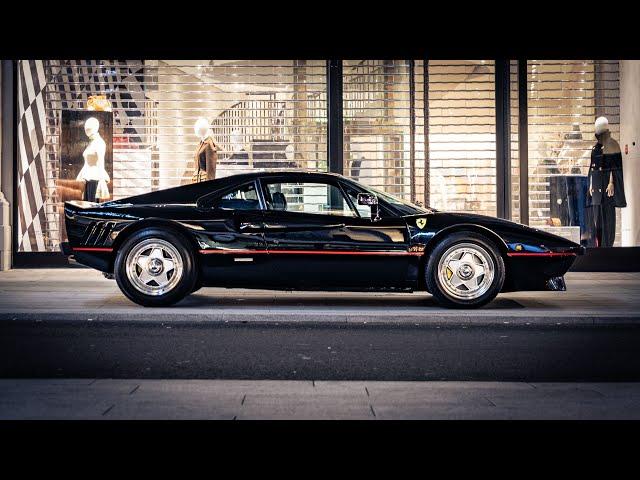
[436, 283]
[183, 286]
[196, 286]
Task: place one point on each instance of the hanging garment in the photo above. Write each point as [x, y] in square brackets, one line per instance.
[94, 169]
[206, 158]
[604, 224]
[603, 168]
[90, 188]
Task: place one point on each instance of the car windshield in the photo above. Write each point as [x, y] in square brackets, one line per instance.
[407, 208]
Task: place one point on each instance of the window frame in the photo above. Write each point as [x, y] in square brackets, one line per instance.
[206, 202]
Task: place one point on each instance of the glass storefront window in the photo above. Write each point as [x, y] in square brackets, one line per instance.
[377, 124]
[462, 136]
[458, 170]
[262, 114]
[564, 100]
[424, 132]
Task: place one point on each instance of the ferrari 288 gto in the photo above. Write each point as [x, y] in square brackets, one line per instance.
[307, 231]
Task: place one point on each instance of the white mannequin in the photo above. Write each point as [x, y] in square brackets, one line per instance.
[202, 129]
[94, 168]
[601, 125]
[604, 136]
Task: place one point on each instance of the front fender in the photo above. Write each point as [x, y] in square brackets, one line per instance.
[431, 238]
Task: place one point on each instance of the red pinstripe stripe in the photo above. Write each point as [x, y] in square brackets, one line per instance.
[92, 249]
[541, 254]
[280, 252]
[309, 252]
[236, 252]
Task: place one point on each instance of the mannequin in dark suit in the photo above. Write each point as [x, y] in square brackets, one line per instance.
[606, 184]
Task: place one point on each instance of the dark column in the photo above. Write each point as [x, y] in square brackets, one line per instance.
[503, 129]
[8, 160]
[523, 140]
[425, 112]
[412, 128]
[335, 121]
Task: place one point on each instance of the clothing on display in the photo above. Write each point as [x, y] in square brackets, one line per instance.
[90, 190]
[206, 158]
[606, 188]
[93, 169]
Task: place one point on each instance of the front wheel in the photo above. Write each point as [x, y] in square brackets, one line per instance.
[155, 268]
[465, 270]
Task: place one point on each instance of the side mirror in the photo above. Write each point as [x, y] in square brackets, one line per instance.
[367, 199]
[372, 201]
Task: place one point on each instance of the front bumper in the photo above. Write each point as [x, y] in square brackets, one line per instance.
[556, 284]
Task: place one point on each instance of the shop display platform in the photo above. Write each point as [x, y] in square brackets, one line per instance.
[84, 295]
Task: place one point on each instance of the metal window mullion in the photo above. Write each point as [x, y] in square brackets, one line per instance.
[335, 119]
[412, 130]
[503, 138]
[523, 141]
[425, 113]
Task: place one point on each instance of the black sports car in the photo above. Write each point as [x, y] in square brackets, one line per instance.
[307, 231]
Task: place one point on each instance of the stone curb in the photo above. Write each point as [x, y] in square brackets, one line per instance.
[438, 319]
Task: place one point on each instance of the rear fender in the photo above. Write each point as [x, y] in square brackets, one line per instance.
[139, 225]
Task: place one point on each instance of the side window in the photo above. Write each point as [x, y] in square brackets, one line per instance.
[307, 197]
[242, 198]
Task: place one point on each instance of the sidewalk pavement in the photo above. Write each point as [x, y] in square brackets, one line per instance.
[106, 399]
[80, 294]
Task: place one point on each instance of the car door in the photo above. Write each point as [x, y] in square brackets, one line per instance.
[317, 239]
[232, 246]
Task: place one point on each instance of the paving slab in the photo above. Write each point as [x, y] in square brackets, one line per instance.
[288, 400]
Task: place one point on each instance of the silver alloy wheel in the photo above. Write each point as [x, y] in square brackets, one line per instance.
[154, 266]
[466, 271]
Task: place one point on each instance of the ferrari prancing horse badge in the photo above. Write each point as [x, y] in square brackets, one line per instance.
[421, 222]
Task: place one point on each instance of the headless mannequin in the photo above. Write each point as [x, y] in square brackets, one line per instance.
[206, 156]
[93, 171]
[606, 184]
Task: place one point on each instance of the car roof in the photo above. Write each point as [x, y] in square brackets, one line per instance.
[286, 173]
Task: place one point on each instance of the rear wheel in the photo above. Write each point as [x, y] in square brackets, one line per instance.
[155, 268]
[465, 270]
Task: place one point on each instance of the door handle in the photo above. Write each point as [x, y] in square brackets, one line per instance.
[248, 226]
[295, 228]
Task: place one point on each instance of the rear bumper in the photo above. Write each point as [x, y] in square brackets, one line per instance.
[66, 249]
[94, 257]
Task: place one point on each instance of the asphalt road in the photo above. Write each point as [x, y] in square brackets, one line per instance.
[317, 352]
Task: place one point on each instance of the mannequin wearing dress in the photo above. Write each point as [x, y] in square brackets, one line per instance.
[206, 156]
[93, 172]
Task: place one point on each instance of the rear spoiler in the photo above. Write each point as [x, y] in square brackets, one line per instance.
[79, 204]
